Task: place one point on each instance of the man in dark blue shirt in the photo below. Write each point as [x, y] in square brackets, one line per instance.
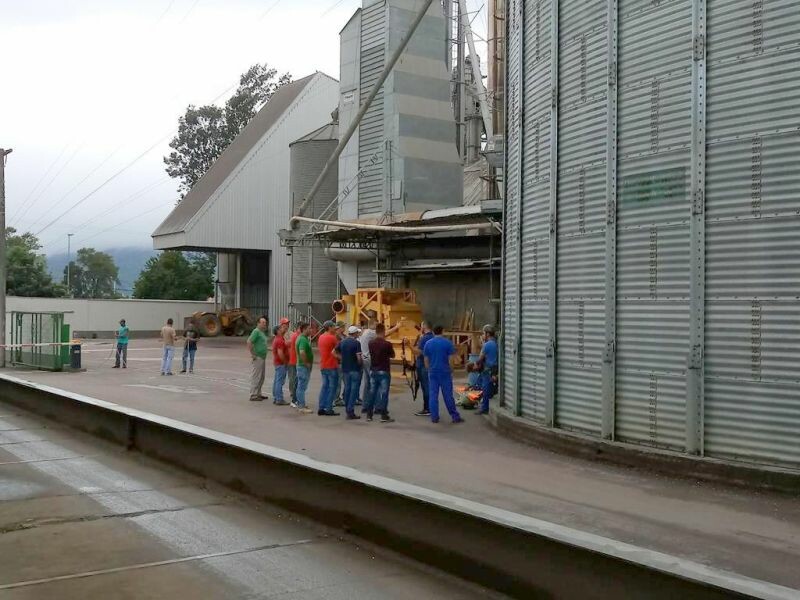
[422, 372]
[348, 351]
[437, 355]
[488, 367]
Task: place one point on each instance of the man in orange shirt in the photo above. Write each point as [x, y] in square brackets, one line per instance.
[329, 367]
[291, 368]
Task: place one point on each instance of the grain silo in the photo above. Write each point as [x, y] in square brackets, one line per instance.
[652, 262]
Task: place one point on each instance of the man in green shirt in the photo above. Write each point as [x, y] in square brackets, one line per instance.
[257, 345]
[122, 345]
[305, 360]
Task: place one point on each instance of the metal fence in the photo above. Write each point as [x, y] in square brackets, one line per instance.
[37, 340]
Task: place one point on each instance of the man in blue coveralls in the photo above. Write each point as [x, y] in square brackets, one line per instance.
[437, 354]
[488, 367]
[422, 372]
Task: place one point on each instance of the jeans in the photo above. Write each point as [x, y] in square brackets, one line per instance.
[378, 401]
[352, 381]
[487, 389]
[291, 371]
[188, 355]
[443, 382]
[166, 359]
[330, 381]
[256, 377]
[303, 375]
[422, 375]
[122, 352]
[277, 384]
[366, 369]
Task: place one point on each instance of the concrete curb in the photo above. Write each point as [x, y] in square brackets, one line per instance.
[515, 554]
[662, 461]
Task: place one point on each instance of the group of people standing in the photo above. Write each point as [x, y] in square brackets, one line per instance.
[169, 339]
[357, 362]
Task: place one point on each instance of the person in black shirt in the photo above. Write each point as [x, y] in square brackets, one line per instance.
[190, 336]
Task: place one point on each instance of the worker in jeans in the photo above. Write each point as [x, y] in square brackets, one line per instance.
[329, 368]
[349, 354]
[305, 360]
[189, 348]
[280, 358]
[487, 363]
[291, 368]
[381, 354]
[437, 354]
[168, 338]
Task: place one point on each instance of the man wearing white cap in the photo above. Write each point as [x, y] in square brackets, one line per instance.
[348, 351]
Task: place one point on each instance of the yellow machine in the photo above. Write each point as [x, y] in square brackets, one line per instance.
[236, 321]
[396, 308]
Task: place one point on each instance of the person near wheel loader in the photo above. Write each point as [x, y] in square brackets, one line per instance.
[190, 337]
[257, 346]
[487, 366]
[437, 355]
[280, 360]
[305, 361]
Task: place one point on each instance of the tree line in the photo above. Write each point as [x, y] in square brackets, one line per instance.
[93, 274]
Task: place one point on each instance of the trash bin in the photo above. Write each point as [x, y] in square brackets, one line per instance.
[75, 357]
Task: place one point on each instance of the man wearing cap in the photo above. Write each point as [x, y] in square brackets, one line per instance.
[348, 351]
[280, 359]
[341, 334]
[422, 373]
[257, 346]
[487, 363]
[291, 368]
[122, 345]
[329, 367]
[305, 361]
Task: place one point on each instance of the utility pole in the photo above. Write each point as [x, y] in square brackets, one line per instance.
[69, 260]
[3, 154]
[461, 106]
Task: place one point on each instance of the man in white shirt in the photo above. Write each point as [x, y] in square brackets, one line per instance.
[367, 335]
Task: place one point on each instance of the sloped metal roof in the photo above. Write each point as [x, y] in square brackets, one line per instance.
[326, 133]
[264, 120]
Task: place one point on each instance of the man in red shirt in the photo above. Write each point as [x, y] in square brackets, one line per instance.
[280, 358]
[329, 367]
[291, 368]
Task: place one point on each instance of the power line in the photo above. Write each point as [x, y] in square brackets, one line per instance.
[166, 10]
[104, 184]
[269, 10]
[44, 175]
[331, 7]
[191, 8]
[49, 183]
[77, 185]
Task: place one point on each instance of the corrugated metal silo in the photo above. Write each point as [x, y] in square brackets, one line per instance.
[314, 277]
[652, 266]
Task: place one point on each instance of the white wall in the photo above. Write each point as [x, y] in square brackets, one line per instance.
[98, 316]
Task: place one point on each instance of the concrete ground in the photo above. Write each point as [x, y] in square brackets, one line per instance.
[82, 519]
[751, 532]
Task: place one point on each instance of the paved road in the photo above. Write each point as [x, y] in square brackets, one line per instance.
[81, 519]
[749, 532]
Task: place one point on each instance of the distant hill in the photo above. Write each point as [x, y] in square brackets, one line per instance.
[130, 261]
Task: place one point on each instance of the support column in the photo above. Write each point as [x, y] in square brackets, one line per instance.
[695, 359]
[610, 350]
[552, 347]
[520, 133]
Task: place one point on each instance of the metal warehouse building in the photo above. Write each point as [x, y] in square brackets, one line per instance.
[652, 258]
[238, 206]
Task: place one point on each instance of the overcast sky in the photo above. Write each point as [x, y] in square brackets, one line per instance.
[90, 85]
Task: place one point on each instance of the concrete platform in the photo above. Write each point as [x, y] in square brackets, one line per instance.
[83, 519]
[752, 533]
